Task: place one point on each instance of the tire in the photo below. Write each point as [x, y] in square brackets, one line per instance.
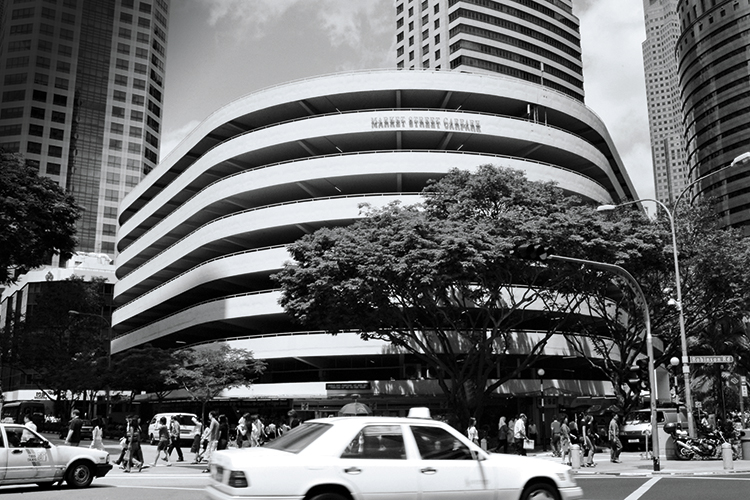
[684, 453]
[540, 491]
[79, 475]
[328, 496]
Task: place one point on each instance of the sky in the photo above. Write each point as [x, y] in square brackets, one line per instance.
[221, 50]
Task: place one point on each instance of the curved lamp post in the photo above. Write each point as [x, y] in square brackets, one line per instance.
[649, 339]
[742, 159]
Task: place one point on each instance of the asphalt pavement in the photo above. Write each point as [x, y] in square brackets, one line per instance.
[639, 464]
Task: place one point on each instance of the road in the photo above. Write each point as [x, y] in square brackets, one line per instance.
[665, 487]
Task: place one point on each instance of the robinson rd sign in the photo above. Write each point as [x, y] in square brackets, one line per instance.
[712, 359]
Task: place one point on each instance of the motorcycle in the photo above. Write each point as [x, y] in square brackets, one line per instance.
[707, 447]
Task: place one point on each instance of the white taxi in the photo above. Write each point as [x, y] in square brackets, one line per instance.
[390, 458]
[26, 457]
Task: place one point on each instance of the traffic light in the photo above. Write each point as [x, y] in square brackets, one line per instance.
[638, 377]
[533, 252]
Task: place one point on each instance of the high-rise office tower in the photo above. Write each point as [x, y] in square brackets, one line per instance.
[666, 129]
[713, 56]
[82, 84]
[536, 41]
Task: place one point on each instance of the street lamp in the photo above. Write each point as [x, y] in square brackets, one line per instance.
[540, 373]
[109, 352]
[677, 304]
[742, 159]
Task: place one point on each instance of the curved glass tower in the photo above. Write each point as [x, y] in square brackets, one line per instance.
[713, 55]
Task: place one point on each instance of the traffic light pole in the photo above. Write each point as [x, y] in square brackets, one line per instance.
[649, 340]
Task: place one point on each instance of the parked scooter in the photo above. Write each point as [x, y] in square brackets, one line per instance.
[707, 447]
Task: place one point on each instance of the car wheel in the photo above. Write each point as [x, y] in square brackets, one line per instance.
[79, 475]
[540, 491]
[328, 496]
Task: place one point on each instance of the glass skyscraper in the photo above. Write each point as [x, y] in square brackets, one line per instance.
[82, 88]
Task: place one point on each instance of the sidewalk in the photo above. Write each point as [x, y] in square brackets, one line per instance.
[634, 464]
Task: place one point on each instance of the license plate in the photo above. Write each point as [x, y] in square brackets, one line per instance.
[633, 440]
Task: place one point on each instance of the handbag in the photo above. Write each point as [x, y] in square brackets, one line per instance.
[528, 444]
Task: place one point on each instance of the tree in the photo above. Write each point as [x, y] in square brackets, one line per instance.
[60, 352]
[205, 372]
[714, 278]
[141, 370]
[440, 281]
[37, 218]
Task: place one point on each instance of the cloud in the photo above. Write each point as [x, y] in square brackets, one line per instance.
[253, 16]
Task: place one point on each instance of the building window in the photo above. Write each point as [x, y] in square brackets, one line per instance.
[15, 79]
[56, 133]
[36, 130]
[37, 113]
[54, 151]
[118, 112]
[61, 83]
[115, 145]
[34, 147]
[39, 95]
[58, 117]
[53, 169]
[60, 100]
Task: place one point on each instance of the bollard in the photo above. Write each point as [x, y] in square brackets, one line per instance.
[726, 456]
[575, 456]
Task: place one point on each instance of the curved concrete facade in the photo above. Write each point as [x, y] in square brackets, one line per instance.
[713, 57]
[201, 235]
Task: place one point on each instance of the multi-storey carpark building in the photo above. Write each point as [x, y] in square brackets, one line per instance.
[666, 129]
[713, 53]
[537, 41]
[201, 235]
[82, 84]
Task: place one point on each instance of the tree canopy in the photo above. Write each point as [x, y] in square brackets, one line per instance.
[440, 280]
[203, 372]
[37, 218]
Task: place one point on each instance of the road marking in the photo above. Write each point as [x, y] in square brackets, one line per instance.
[643, 489]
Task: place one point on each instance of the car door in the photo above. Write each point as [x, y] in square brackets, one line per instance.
[375, 464]
[22, 462]
[449, 469]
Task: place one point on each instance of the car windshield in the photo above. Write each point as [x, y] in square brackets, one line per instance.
[185, 419]
[299, 438]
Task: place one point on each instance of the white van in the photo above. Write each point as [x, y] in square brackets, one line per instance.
[186, 425]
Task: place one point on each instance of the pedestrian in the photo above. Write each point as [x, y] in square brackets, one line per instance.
[174, 438]
[565, 440]
[223, 442]
[519, 434]
[613, 434]
[28, 423]
[292, 420]
[163, 444]
[197, 436]
[532, 431]
[257, 431]
[135, 453]
[472, 432]
[212, 437]
[123, 451]
[555, 439]
[511, 439]
[96, 435]
[588, 431]
[502, 435]
[74, 429]
[271, 430]
[242, 439]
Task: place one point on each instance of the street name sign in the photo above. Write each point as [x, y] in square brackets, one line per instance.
[712, 359]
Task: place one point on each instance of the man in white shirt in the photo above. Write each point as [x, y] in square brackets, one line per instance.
[519, 434]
